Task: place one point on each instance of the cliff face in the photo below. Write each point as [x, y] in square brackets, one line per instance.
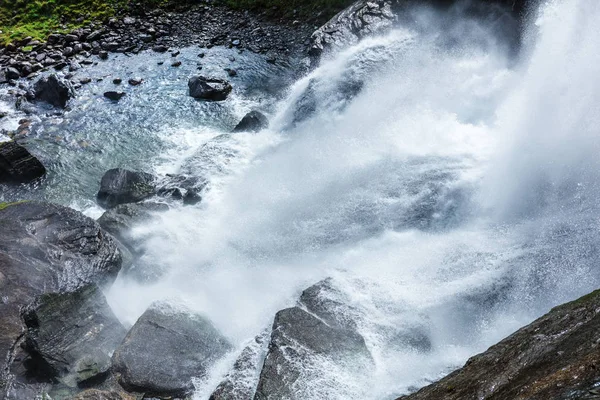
[556, 357]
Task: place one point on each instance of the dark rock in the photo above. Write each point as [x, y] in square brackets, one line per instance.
[60, 65]
[555, 357]
[53, 90]
[176, 64]
[209, 89]
[95, 394]
[103, 55]
[182, 187]
[297, 337]
[45, 248]
[114, 96]
[231, 72]
[135, 81]
[238, 384]
[11, 73]
[165, 349]
[175, 53]
[17, 165]
[85, 81]
[160, 48]
[95, 35]
[120, 220]
[121, 186]
[117, 81]
[73, 334]
[254, 121]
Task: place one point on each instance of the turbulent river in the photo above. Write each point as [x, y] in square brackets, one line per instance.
[445, 185]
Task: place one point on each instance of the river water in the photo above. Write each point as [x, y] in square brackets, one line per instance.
[444, 185]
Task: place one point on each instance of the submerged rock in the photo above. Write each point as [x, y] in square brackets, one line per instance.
[209, 88]
[121, 186]
[44, 248]
[73, 334]
[94, 394]
[254, 121]
[165, 349]
[17, 165]
[53, 90]
[182, 187]
[555, 357]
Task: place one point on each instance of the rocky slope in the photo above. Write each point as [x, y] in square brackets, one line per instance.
[555, 357]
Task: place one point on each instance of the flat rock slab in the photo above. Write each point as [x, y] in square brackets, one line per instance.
[166, 349]
[73, 334]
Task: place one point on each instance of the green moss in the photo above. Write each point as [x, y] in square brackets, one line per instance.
[6, 205]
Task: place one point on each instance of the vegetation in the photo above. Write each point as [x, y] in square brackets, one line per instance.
[39, 18]
[6, 205]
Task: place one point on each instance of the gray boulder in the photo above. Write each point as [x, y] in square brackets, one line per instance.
[297, 337]
[165, 349]
[211, 89]
[17, 165]
[121, 186]
[73, 334]
[254, 121]
[44, 248]
[53, 90]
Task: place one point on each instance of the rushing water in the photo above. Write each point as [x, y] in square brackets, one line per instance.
[442, 184]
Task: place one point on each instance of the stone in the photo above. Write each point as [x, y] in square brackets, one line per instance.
[53, 90]
[114, 96]
[176, 64]
[117, 81]
[73, 335]
[95, 394]
[17, 165]
[554, 357]
[209, 88]
[160, 48]
[135, 81]
[11, 73]
[254, 121]
[121, 186]
[103, 55]
[46, 248]
[165, 349]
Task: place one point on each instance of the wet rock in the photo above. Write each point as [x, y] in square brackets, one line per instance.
[165, 349]
[11, 73]
[231, 72]
[555, 357]
[95, 394]
[363, 18]
[73, 335]
[121, 186]
[240, 382]
[17, 165]
[53, 90]
[120, 220]
[176, 64]
[46, 248]
[297, 337]
[209, 88]
[103, 54]
[135, 81]
[254, 121]
[160, 48]
[85, 81]
[114, 96]
[182, 187]
[117, 81]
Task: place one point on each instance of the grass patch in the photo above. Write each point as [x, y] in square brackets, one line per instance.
[6, 205]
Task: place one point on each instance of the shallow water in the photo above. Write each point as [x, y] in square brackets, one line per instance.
[452, 189]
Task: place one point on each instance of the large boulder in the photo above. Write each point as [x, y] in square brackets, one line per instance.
[53, 90]
[254, 121]
[73, 335]
[182, 187]
[212, 89]
[298, 340]
[17, 165]
[240, 382]
[121, 186]
[555, 357]
[166, 349]
[44, 248]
